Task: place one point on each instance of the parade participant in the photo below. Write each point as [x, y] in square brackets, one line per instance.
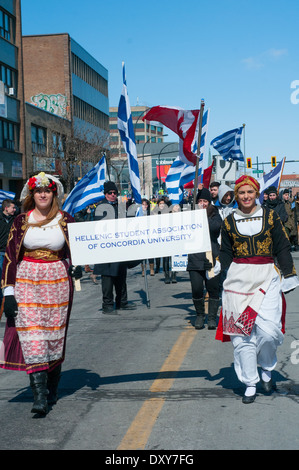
[163, 208]
[7, 217]
[252, 300]
[214, 188]
[113, 275]
[198, 265]
[273, 202]
[290, 224]
[38, 289]
[226, 200]
[144, 210]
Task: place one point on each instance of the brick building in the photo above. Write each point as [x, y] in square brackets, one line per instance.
[12, 137]
[63, 80]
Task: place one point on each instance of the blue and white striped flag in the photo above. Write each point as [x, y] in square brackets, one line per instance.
[126, 130]
[271, 179]
[89, 190]
[178, 175]
[228, 144]
[6, 195]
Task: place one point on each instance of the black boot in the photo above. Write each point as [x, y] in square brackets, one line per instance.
[212, 313]
[173, 277]
[167, 278]
[53, 381]
[199, 305]
[38, 382]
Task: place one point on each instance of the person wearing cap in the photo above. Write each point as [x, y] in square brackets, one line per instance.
[38, 289]
[290, 224]
[113, 275]
[273, 202]
[253, 302]
[198, 265]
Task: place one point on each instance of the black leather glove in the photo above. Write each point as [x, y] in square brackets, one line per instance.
[10, 306]
[207, 265]
[75, 271]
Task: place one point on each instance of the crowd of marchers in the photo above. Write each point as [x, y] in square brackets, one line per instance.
[244, 281]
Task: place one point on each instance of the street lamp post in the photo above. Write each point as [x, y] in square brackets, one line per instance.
[170, 143]
[143, 176]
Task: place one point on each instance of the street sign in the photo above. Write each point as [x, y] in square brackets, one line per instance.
[257, 171]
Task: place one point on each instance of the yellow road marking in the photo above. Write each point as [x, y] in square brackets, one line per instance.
[141, 428]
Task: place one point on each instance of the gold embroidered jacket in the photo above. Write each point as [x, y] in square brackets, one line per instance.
[272, 241]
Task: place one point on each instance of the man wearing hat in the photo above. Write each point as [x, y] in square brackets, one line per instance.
[290, 225]
[253, 303]
[273, 202]
[113, 275]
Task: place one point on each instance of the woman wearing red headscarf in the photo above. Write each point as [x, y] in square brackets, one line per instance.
[256, 249]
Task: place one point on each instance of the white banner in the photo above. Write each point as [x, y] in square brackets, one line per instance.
[135, 238]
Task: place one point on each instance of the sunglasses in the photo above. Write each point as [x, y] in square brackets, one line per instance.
[112, 192]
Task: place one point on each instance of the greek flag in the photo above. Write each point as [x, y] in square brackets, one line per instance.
[126, 130]
[89, 190]
[6, 195]
[271, 179]
[228, 144]
[178, 175]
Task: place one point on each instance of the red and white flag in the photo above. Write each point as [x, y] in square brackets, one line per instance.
[183, 123]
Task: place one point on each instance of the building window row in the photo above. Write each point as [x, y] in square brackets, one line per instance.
[38, 140]
[8, 76]
[9, 135]
[7, 26]
[90, 76]
[84, 111]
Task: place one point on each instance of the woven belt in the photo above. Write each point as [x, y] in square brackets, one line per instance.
[41, 255]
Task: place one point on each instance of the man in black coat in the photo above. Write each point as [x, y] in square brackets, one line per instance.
[273, 202]
[113, 275]
[7, 216]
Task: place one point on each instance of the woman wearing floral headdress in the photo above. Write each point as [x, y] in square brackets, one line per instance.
[257, 251]
[38, 289]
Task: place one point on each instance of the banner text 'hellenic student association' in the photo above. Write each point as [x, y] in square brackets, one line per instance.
[135, 238]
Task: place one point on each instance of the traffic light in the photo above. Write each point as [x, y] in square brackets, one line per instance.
[248, 163]
[273, 161]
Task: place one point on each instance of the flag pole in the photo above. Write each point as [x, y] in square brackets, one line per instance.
[198, 152]
[245, 172]
[282, 167]
[209, 255]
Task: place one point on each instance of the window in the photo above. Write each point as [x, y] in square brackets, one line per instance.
[7, 26]
[9, 135]
[84, 111]
[58, 142]
[89, 75]
[8, 76]
[38, 139]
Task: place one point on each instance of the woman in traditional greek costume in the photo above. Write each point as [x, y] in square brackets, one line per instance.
[256, 248]
[38, 289]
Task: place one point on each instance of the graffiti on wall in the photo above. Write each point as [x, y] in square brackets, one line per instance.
[55, 104]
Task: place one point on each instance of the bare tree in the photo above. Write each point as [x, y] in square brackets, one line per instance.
[76, 153]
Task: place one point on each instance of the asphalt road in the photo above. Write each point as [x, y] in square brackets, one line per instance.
[146, 379]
